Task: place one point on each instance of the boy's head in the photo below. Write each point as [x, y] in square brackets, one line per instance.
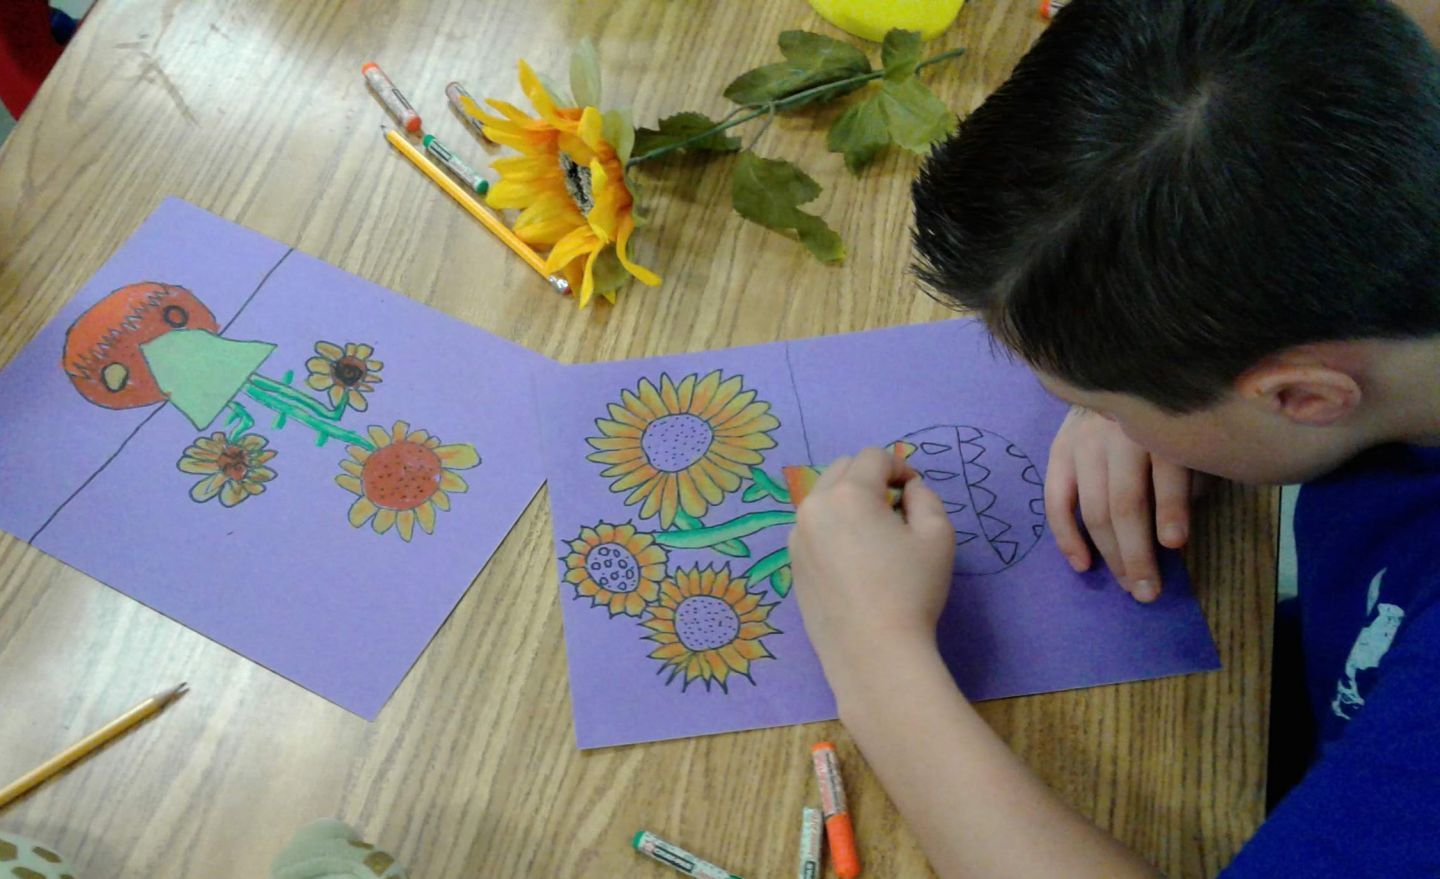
[1169, 197]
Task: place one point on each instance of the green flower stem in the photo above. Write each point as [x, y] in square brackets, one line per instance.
[283, 389]
[741, 526]
[767, 565]
[241, 415]
[775, 489]
[307, 412]
[776, 106]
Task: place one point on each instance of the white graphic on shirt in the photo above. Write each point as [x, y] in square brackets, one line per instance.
[1369, 648]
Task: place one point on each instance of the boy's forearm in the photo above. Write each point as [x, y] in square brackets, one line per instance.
[976, 809]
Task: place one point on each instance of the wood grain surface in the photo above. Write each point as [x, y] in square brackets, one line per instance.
[256, 110]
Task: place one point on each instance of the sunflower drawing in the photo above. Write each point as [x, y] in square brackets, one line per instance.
[682, 446]
[234, 469]
[708, 626]
[569, 184]
[346, 374]
[405, 480]
[616, 567]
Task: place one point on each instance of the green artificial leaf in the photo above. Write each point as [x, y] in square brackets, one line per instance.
[900, 53]
[810, 60]
[683, 126]
[619, 131]
[914, 116]
[859, 133]
[607, 272]
[558, 96]
[585, 74]
[767, 191]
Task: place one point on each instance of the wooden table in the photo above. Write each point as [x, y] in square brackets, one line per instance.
[256, 110]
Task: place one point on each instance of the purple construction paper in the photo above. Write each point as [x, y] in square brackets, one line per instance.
[1019, 621]
[282, 577]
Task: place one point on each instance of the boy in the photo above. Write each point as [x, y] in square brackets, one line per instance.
[1211, 225]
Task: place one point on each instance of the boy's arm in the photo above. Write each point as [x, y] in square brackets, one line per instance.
[871, 586]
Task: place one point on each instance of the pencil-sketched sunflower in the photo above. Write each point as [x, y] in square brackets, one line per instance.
[616, 567]
[569, 184]
[708, 626]
[682, 447]
[404, 480]
[346, 374]
[233, 469]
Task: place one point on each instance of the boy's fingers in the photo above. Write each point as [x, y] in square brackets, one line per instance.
[922, 505]
[1172, 503]
[1092, 482]
[1131, 519]
[1060, 500]
[832, 473]
[871, 468]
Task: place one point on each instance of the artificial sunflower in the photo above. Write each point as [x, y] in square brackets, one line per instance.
[569, 185]
[404, 480]
[346, 374]
[708, 626]
[233, 469]
[682, 447]
[616, 567]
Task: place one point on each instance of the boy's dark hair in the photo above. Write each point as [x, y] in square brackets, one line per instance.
[1166, 191]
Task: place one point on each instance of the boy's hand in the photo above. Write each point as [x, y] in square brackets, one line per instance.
[1117, 485]
[864, 574]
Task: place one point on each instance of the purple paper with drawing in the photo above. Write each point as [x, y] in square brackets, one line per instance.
[671, 517]
[280, 455]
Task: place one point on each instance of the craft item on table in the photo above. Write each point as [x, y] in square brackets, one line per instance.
[23, 858]
[1049, 8]
[330, 849]
[458, 167]
[574, 180]
[394, 101]
[671, 519]
[476, 210]
[671, 855]
[801, 478]
[839, 832]
[869, 20]
[467, 109]
[812, 835]
[294, 462]
[88, 745]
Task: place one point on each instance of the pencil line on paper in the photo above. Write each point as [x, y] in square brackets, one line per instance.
[799, 406]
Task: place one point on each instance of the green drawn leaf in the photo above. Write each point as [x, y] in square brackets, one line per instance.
[915, 117]
[585, 74]
[619, 131]
[781, 581]
[810, 60]
[900, 53]
[753, 493]
[767, 191]
[681, 127]
[859, 133]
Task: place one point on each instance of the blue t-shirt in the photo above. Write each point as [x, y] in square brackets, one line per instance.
[1367, 541]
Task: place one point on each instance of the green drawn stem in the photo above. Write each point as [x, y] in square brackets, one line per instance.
[741, 526]
[775, 106]
[270, 385]
[240, 414]
[289, 403]
[767, 565]
[737, 548]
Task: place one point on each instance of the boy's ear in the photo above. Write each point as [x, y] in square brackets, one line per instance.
[1306, 394]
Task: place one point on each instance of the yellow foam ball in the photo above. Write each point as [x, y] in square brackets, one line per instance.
[870, 19]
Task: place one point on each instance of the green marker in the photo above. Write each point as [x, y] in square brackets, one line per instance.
[655, 848]
[458, 167]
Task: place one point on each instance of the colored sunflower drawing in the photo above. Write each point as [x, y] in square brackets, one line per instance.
[233, 469]
[346, 374]
[708, 626]
[616, 567]
[407, 478]
[682, 446]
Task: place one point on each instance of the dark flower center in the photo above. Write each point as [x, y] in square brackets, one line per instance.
[348, 371]
[577, 183]
[234, 463]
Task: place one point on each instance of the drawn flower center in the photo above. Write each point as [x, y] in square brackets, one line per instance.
[577, 183]
[348, 371]
[705, 622]
[234, 463]
[673, 442]
[613, 567]
[402, 475]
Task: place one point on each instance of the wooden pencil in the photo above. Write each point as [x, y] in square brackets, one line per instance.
[476, 209]
[96, 740]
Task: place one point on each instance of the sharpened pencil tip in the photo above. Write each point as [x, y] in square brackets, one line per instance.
[173, 693]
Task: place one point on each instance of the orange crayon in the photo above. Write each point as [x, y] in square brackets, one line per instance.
[801, 478]
[839, 832]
